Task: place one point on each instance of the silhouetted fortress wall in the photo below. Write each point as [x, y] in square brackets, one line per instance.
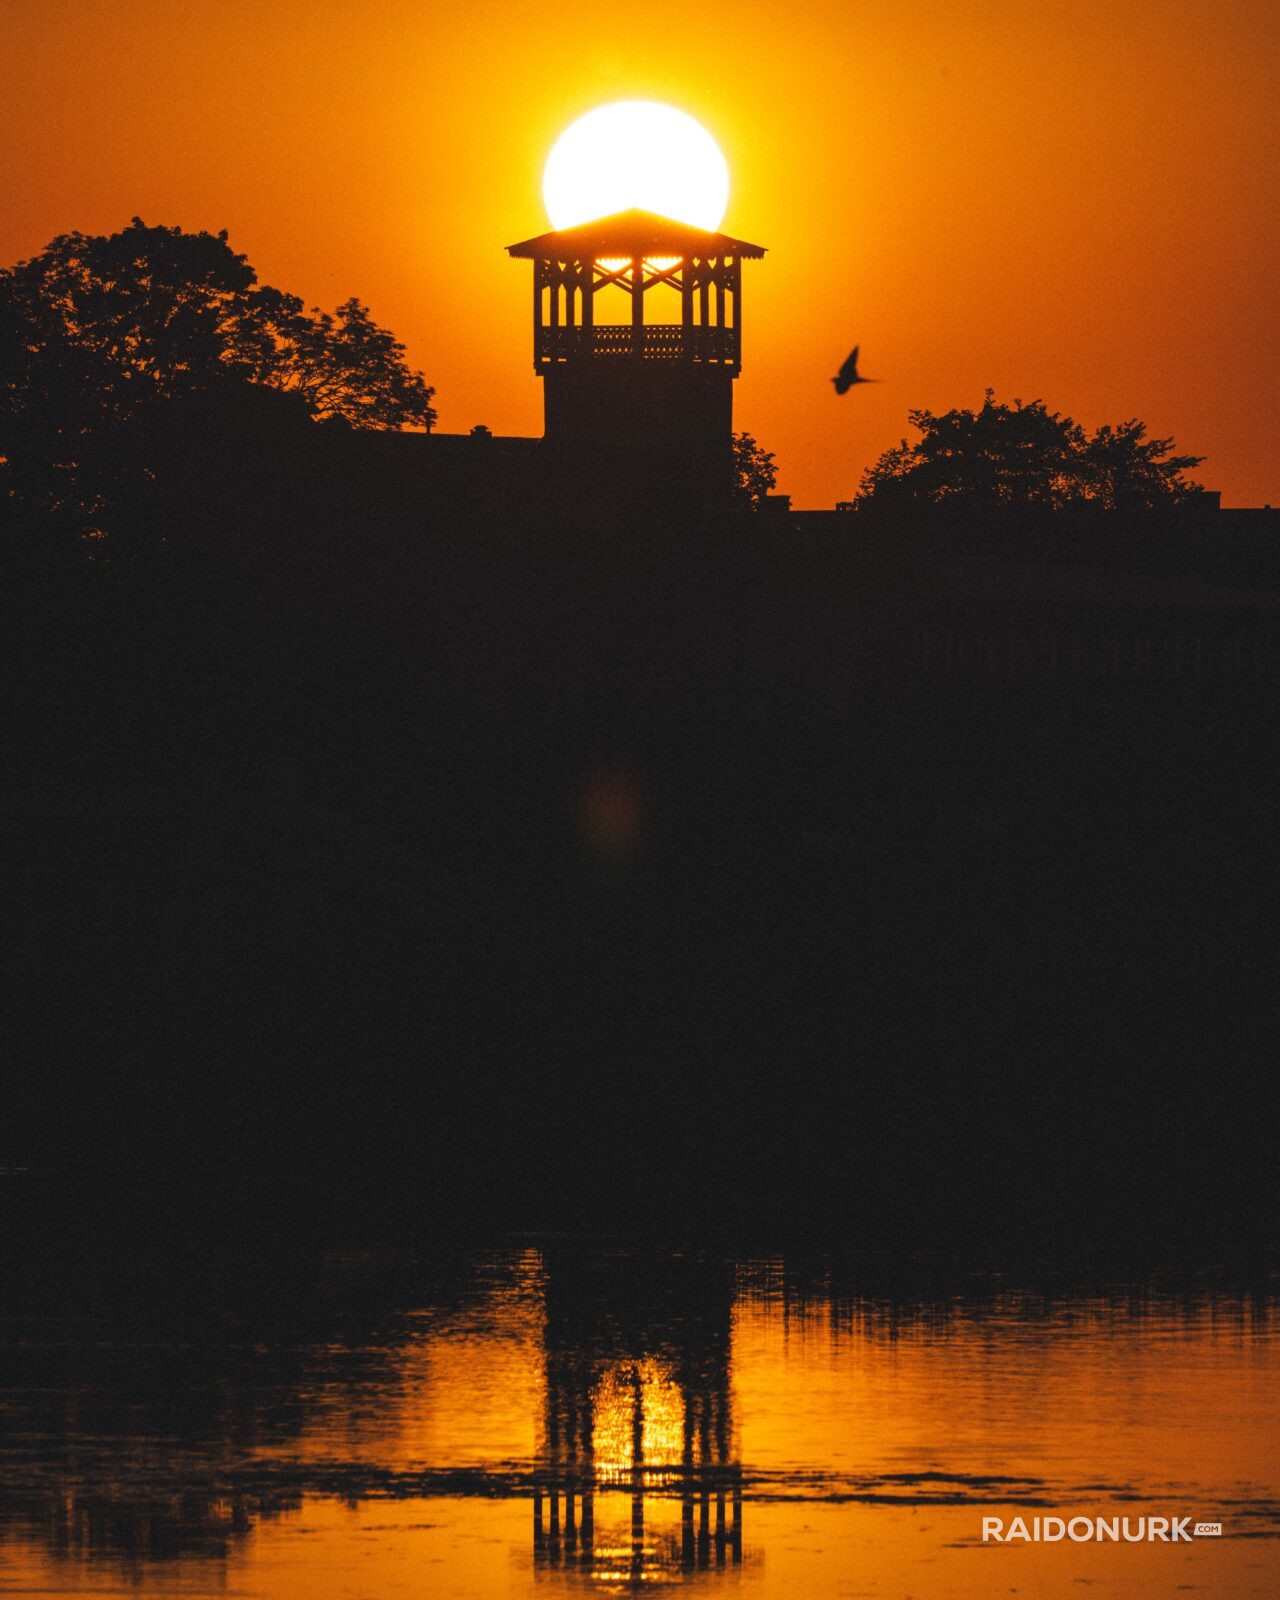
[475, 545]
[505, 854]
[1193, 593]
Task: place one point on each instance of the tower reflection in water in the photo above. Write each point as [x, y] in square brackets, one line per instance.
[637, 1479]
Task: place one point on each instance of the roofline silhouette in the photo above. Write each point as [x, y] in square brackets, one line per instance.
[633, 233]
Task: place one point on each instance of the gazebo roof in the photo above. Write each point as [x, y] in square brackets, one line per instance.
[632, 233]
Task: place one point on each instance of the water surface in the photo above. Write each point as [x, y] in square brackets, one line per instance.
[555, 1416]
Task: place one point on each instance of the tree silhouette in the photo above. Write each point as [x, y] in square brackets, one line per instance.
[1027, 456]
[754, 472]
[100, 335]
[344, 366]
[1121, 469]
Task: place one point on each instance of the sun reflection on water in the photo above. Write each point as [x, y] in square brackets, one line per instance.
[639, 1422]
[638, 1403]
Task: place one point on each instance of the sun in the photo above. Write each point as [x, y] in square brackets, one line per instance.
[636, 153]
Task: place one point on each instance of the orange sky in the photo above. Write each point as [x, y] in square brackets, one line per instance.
[1072, 201]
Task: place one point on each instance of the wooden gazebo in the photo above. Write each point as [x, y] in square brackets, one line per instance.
[636, 252]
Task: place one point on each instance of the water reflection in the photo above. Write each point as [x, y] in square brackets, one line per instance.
[638, 1409]
[611, 1420]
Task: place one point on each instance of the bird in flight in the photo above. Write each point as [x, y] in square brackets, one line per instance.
[847, 376]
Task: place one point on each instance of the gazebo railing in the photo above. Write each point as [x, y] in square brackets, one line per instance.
[656, 342]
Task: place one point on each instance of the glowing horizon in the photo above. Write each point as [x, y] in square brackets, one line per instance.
[1078, 213]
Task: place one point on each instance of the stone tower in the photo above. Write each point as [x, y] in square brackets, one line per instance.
[638, 403]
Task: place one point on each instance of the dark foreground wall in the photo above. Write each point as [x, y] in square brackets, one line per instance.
[396, 872]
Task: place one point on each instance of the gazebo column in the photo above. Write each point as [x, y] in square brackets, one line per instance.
[587, 281]
[686, 309]
[637, 306]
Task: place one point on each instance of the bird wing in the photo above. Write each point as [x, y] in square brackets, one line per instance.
[849, 371]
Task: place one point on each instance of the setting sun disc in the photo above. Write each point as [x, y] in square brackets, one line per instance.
[636, 154]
